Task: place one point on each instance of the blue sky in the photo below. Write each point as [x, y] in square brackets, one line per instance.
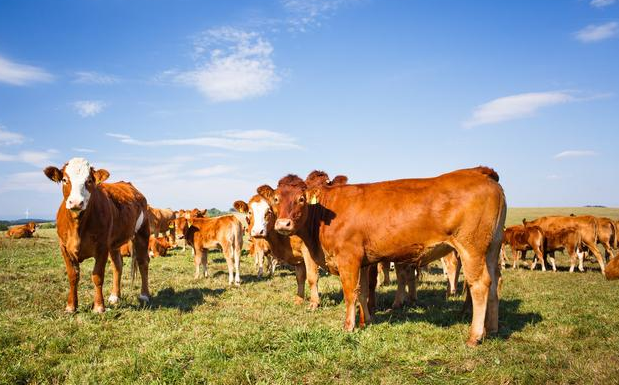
[199, 102]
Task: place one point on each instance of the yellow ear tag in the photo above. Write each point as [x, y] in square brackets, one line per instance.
[314, 200]
[189, 223]
[171, 226]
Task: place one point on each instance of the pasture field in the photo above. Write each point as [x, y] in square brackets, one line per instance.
[555, 328]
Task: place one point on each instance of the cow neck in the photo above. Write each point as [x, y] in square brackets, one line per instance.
[310, 233]
[78, 225]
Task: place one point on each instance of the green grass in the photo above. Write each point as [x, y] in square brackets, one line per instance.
[554, 328]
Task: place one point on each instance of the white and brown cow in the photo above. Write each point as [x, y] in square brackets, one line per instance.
[93, 221]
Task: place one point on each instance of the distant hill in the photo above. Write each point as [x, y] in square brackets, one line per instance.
[5, 224]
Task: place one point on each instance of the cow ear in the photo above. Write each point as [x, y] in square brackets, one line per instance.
[53, 173]
[312, 196]
[266, 192]
[339, 180]
[241, 207]
[101, 175]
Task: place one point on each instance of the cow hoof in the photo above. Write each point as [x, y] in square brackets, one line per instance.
[113, 299]
[98, 309]
[472, 342]
[298, 301]
[69, 309]
[144, 298]
[312, 306]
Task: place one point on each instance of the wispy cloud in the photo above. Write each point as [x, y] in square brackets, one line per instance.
[601, 3]
[91, 77]
[593, 33]
[35, 158]
[8, 137]
[83, 150]
[574, 154]
[88, 108]
[250, 140]
[27, 181]
[516, 107]
[304, 14]
[232, 65]
[22, 74]
[213, 170]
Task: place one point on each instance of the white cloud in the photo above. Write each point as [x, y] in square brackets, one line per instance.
[232, 65]
[593, 33]
[8, 137]
[88, 107]
[601, 3]
[35, 158]
[83, 150]
[21, 74]
[91, 77]
[516, 107]
[213, 170]
[27, 181]
[307, 13]
[250, 140]
[574, 154]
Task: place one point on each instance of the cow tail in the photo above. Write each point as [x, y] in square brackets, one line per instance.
[614, 235]
[134, 264]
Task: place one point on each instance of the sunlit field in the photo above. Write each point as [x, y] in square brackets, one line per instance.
[554, 327]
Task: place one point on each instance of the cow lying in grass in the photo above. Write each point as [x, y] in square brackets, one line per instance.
[22, 231]
[93, 221]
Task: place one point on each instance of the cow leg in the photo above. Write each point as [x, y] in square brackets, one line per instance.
[552, 259]
[259, 261]
[197, 261]
[386, 278]
[301, 275]
[593, 248]
[349, 277]
[204, 261]
[503, 258]
[311, 271]
[140, 245]
[117, 269]
[572, 252]
[453, 265]
[515, 255]
[540, 258]
[372, 285]
[237, 248]
[97, 276]
[581, 257]
[231, 262]
[400, 275]
[364, 296]
[444, 265]
[413, 277]
[73, 274]
[608, 252]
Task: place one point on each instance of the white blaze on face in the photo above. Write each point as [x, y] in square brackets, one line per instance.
[259, 210]
[78, 171]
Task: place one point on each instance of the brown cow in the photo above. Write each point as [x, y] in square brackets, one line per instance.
[22, 231]
[202, 234]
[418, 220]
[560, 239]
[158, 246]
[612, 269]
[585, 224]
[161, 221]
[288, 250]
[607, 236]
[520, 239]
[94, 220]
[261, 250]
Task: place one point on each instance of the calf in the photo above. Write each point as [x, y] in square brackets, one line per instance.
[202, 234]
[261, 250]
[158, 246]
[421, 220]
[520, 239]
[22, 231]
[567, 239]
[94, 220]
[161, 221]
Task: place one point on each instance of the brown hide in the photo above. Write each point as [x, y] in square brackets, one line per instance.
[22, 231]
[418, 220]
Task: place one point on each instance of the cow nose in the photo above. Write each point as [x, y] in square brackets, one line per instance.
[260, 233]
[75, 204]
[283, 225]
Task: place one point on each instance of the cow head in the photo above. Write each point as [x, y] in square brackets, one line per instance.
[158, 247]
[79, 180]
[260, 217]
[290, 203]
[182, 225]
[32, 227]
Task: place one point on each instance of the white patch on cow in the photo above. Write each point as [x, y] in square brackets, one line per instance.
[139, 222]
[143, 297]
[113, 299]
[78, 171]
[259, 210]
[151, 254]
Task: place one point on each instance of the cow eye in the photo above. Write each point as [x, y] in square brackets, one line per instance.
[64, 180]
[250, 213]
[301, 199]
[276, 199]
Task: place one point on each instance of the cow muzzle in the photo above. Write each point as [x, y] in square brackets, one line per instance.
[75, 205]
[258, 233]
[284, 226]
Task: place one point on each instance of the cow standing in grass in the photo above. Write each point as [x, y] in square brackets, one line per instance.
[93, 221]
[521, 238]
[202, 234]
[161, 221]
[413, 220]
[22, 231]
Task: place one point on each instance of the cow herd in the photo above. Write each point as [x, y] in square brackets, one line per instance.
[348, 230]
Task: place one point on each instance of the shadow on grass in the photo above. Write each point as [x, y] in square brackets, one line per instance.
[185, 300]
[432, 307]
